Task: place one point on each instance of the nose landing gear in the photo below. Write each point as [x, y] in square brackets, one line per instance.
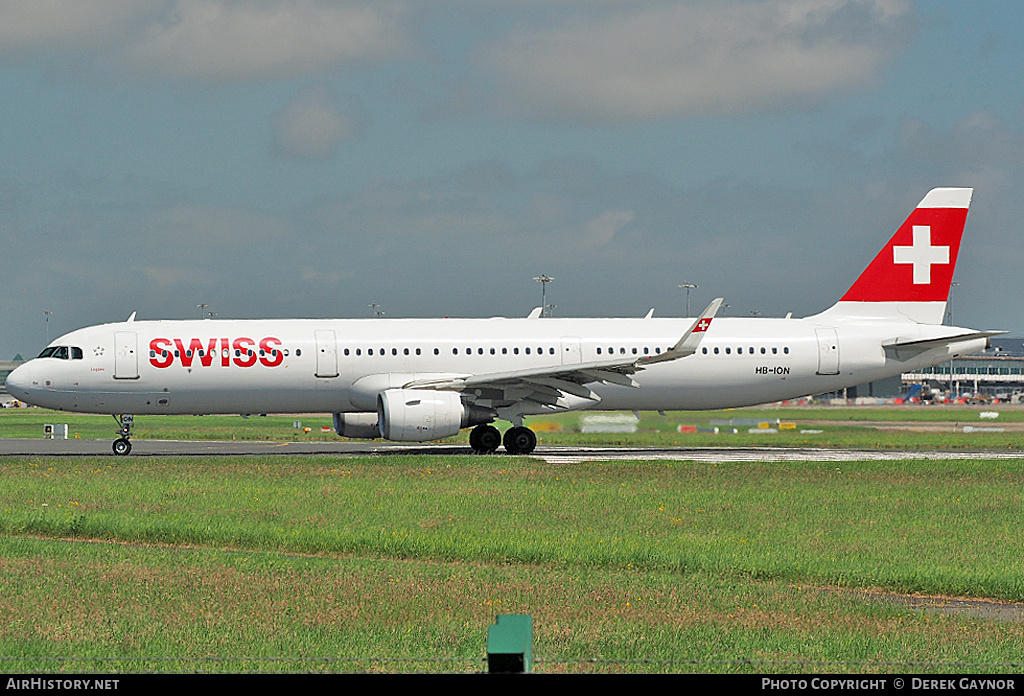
[122, 445]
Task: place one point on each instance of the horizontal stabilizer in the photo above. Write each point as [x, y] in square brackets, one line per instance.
[926, 343]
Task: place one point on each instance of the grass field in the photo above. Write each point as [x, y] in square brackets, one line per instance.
[399, 564]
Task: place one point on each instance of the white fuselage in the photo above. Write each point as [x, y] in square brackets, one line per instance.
[340, 366]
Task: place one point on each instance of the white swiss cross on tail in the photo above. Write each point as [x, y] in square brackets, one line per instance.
[921, 255]
[702, 325]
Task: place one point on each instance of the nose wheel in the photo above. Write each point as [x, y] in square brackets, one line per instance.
[123, 445]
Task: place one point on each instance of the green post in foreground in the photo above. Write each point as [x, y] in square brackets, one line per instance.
[508, 644]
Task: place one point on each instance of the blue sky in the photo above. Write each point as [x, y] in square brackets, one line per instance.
[308, 158]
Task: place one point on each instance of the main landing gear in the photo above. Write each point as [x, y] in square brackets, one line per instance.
[485, 439]
[122, 445]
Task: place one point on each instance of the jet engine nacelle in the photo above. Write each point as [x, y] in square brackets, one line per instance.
[419, 415]
[358, 425]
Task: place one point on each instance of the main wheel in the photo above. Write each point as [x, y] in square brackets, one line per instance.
[484, 439]
[122, 446]
[519, 440]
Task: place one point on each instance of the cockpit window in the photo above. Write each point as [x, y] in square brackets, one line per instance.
[62, 352]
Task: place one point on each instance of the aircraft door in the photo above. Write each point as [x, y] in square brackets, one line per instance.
[326, 354]
[828, 351]
[571, 354]
[126, 355]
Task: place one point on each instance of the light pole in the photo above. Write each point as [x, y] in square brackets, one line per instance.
[949, 322]
[543, 280]
[688, 287]
[202, 310]
[47, 313]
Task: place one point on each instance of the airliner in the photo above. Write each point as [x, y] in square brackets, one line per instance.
[418, 380]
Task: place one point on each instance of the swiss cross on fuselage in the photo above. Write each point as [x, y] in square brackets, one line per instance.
[921, 255]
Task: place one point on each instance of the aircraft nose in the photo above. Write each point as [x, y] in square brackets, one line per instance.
[19, 382]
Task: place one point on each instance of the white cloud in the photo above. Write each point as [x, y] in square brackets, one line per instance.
[28, 26]
[655, 60]
[216, 40]
[311, 127]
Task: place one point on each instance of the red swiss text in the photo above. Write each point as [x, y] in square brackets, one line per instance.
[216, 352]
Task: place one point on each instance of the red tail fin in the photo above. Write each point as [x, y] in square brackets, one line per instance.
[911, 276]
[917, 264]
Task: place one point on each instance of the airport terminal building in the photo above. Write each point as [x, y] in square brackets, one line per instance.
[997, 373]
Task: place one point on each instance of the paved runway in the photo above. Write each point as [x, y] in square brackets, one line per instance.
[553, 455]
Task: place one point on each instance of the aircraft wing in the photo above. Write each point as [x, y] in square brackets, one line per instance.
[551, 386]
